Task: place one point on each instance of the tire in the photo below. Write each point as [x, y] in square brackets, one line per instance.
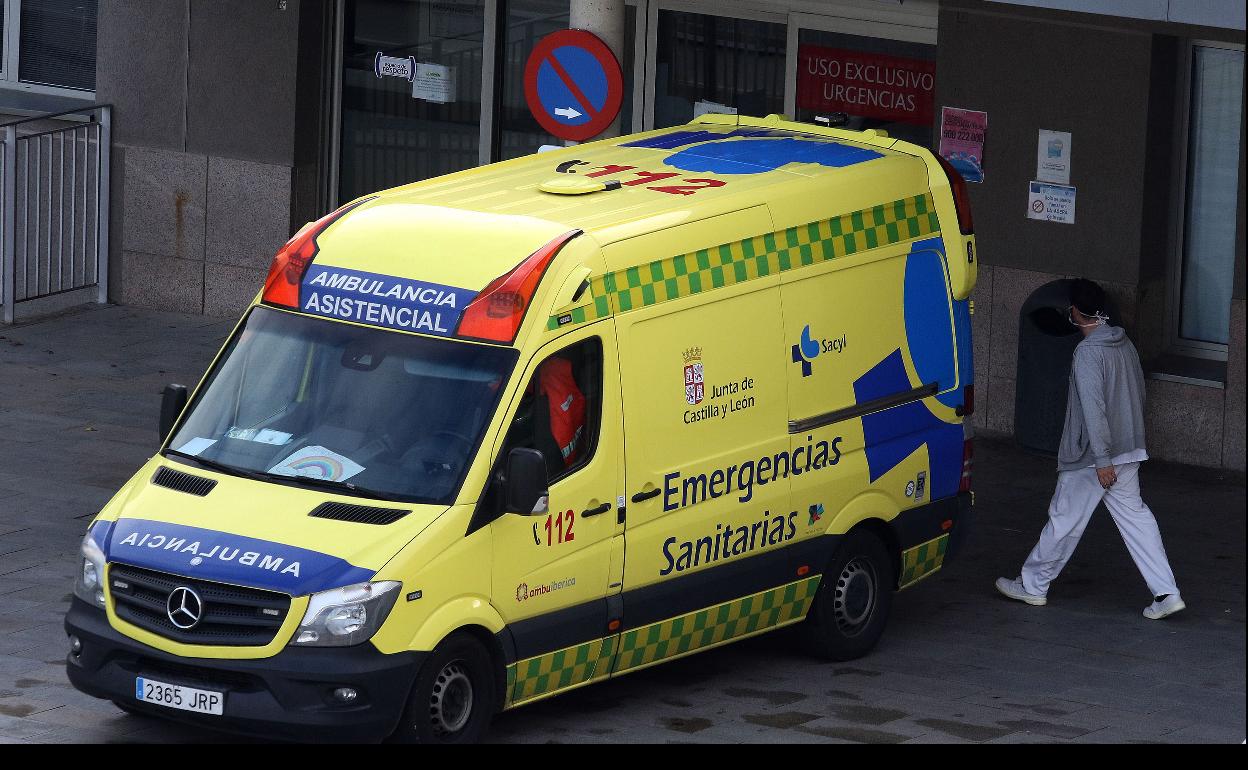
[454, 696]
[851, 607]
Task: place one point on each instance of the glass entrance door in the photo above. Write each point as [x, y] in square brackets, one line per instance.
[411, 91]
[710, 63]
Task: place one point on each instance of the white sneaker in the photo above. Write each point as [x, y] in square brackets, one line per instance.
[1168, 606]
[1014, 589]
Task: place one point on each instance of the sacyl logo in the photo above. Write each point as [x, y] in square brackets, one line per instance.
[807, 349]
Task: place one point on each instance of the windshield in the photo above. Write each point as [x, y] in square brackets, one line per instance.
[309, 401]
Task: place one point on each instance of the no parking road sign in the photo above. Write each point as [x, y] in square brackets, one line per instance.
[573, 85]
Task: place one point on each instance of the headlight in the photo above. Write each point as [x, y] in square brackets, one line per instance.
[345, 616]
[89, 582]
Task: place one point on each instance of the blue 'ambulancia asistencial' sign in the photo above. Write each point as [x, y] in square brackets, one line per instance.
[382, 300]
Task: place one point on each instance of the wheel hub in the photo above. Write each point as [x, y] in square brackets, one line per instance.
[854, 596]
[450, 705]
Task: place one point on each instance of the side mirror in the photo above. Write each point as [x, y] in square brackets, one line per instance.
[525, 487]
[172, 402]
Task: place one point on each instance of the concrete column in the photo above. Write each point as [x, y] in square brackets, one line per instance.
[604, 18]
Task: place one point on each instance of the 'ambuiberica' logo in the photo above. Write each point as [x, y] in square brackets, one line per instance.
[524, 592]
[695, 387]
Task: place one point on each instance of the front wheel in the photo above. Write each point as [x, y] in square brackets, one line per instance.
[453, 698]
[851, 606]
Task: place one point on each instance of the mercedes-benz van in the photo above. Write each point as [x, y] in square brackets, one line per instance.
[489, 437]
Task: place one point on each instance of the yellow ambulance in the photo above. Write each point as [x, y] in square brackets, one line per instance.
[493, 436]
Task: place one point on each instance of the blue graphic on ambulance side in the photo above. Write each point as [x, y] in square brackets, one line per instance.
[892, 435]
[938, 330]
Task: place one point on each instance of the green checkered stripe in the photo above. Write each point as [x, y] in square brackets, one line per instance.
[557, 670]
[736, 262]
[922, 560]
[600, 307]
[710, 626]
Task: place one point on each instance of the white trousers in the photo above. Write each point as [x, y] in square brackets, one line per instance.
[1076, 497]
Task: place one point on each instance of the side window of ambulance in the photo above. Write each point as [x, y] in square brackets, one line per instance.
[560, 409]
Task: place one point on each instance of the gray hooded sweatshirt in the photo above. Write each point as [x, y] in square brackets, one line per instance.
[1105, 406]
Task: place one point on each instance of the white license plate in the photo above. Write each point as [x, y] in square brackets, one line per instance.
[176, 696]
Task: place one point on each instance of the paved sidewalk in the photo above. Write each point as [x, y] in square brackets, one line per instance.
[79, 399]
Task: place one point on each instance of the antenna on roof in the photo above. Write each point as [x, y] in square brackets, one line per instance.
[833, 120]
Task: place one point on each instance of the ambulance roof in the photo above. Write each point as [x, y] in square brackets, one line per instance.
[466, 229]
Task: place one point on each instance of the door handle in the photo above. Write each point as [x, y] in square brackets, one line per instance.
[596, 511]
[643, 496]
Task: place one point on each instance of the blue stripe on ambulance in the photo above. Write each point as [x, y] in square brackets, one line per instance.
[207, 554]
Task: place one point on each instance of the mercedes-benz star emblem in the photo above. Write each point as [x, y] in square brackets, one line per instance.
[184, 608]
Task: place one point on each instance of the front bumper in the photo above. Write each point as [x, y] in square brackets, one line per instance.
[287, 696]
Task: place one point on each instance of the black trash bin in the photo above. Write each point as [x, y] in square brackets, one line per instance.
[1046, 345]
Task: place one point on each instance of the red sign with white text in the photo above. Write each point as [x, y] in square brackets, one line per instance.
[869, 85]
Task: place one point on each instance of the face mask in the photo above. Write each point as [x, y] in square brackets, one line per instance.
[1099, 318]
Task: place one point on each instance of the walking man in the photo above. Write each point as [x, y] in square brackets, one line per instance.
[1099, 459]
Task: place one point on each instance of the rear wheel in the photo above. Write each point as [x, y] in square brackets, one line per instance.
[851, 607]
[453, 697]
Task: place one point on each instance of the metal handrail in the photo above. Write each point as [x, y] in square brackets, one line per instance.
[88, 223]
[48, 116]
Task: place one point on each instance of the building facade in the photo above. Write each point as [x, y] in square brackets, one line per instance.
[235, 121]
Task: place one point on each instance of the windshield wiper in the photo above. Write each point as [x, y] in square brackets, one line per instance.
[337, 486]
[216, 466]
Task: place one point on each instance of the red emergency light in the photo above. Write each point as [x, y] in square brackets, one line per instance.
[291, 262]
[496, 313]
[961, 197]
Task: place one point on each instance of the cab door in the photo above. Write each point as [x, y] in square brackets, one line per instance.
[554, 570]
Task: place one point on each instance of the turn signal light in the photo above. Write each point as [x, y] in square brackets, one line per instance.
[496, 313]
[286, 273]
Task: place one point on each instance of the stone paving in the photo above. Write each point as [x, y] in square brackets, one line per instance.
[79, 398]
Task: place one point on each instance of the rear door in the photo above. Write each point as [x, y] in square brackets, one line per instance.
[873, 376]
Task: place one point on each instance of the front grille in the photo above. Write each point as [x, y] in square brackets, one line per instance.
[358, 514]
[232, 616]
[183, 482]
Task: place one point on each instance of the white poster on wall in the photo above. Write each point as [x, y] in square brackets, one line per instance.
[434, 83]
[1053, 157]
[1051, 202]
